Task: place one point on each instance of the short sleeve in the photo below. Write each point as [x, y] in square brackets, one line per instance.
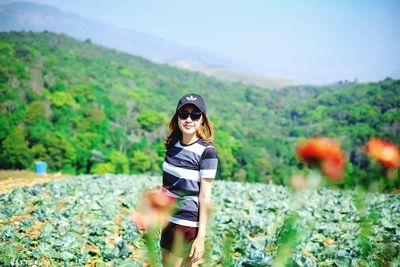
[208, 163]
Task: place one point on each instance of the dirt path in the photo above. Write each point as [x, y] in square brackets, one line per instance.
[10, 179]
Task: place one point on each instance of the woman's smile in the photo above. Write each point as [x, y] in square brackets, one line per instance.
[189, 126]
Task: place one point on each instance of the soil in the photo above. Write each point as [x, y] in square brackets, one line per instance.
[20, 178]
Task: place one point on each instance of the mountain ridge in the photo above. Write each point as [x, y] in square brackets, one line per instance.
[19, 16]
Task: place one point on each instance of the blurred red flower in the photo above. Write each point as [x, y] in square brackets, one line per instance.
[298, 182]
[385, 152]
[325, 154]
[159, 200]
[154, 208]
[141, 221]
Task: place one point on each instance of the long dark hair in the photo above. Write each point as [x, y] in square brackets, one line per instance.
[205, 131]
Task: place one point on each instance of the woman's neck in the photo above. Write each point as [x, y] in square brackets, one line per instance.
[188, 139]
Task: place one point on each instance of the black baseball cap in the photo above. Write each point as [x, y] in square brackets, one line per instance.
[193, 99]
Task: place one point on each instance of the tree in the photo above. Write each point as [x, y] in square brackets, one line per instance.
[34, 111]
[61, 99]
[141, 162]
[16, 153]
[62, 155]
[150, 120]
[120, 161]
[226, 147]
[103, 168]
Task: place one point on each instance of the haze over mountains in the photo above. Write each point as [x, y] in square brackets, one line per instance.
[26, 16]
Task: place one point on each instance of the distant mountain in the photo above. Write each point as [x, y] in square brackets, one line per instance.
[227, 74]
[26, 16]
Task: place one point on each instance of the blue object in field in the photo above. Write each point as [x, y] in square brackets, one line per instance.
[40, 167]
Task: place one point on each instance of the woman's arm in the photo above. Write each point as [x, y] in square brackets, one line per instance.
[205, 200]
[197, 250]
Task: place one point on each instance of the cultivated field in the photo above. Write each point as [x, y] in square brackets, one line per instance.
[85, 221]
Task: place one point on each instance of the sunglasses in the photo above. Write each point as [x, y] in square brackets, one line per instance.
[183, 115]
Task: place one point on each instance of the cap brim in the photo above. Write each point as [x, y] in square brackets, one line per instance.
[185, 104]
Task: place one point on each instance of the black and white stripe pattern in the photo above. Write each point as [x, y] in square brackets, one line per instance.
[183, 168]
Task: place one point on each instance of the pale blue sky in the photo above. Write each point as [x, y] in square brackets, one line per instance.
[329, 40]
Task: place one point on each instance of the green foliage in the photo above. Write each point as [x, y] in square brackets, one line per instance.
[126, 73]
[100, 99]
[39, 152]
[120, 161]
[103, 168]
[5, 127]
[61, 99]
[5, 48]
[34, 111]
[141, 162]
[226, 146]
[227, 246]
[149, 120]
[8, 254]
[38, 131]
[16, 153]
[287, 238]
[61, 155]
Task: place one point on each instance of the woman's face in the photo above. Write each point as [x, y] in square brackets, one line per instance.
[188, 125]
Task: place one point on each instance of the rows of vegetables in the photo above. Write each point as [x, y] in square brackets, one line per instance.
[85, 221]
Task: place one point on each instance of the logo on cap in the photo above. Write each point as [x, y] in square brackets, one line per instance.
[191, 98]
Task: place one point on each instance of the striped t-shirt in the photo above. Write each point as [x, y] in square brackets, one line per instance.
[183, 168]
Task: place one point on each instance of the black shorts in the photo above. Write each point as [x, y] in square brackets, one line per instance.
[178, 238]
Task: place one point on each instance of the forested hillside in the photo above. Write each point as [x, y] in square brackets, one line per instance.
[83, 108]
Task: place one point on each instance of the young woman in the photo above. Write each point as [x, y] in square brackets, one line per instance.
[189, 169]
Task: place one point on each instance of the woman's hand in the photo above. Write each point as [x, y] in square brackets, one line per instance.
[197, 250]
